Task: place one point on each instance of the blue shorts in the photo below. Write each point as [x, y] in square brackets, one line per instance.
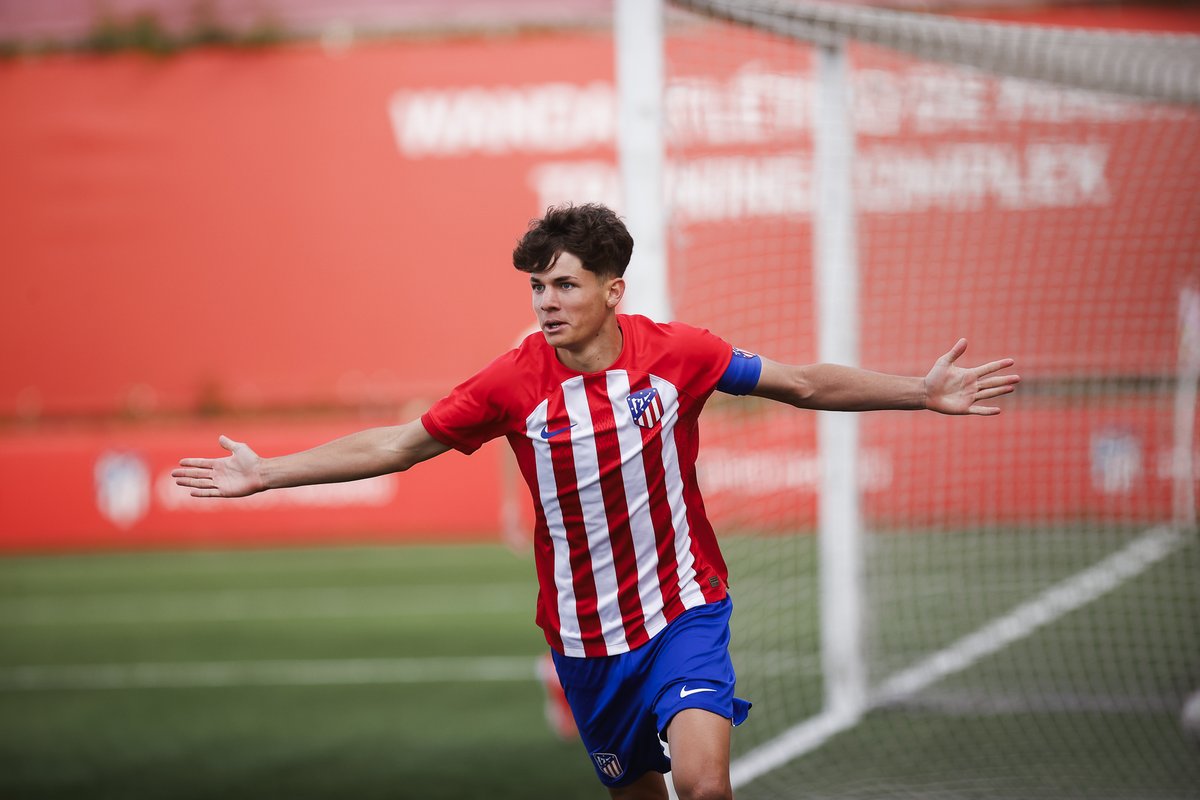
[624, 703]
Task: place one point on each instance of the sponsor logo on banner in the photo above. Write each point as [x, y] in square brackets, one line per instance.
[122, 488]
[1116, 461]
[608, 764]
[646, 407]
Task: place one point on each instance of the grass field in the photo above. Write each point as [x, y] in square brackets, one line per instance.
[365, 673]
[409, 672]
[1038, 663]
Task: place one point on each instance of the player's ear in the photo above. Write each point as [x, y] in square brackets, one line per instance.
[616, 290]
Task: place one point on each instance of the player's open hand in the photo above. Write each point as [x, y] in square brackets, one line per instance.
[236, 475]
[950, 389]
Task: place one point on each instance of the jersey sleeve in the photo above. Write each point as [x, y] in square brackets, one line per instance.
[714, 362]
[474, 412]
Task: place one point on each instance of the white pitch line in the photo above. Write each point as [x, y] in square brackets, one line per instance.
[1054, 603]
[225, 674]
[241, 605]
[215, 674]
[792, 743]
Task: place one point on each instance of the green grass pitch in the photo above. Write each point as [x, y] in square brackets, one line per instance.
[369, 728]
[408, 672]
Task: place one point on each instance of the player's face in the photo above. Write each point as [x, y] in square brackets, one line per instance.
[573, 304]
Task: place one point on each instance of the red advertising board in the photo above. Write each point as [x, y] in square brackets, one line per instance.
[111, 488]
[102, 489]
[1073, 465]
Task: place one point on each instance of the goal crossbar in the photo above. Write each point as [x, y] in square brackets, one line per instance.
[1164, 67]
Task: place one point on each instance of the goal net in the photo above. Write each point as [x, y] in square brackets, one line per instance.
[1002, 607]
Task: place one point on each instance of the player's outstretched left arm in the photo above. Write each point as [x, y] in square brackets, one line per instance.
[947, 388]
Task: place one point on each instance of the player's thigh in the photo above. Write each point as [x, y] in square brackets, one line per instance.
[650, 786]
[699, 743]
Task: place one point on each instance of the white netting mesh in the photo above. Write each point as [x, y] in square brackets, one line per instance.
[1032, 600]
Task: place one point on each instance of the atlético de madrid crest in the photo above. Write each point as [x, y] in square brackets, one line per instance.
[646, 407]
[608, 764]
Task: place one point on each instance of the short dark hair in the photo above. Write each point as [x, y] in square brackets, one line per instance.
[591, 232]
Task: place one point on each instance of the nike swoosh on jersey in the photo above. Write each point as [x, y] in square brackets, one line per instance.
[684, 691]
[546, 434]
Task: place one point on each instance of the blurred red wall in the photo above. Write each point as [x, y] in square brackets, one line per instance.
[241, 229]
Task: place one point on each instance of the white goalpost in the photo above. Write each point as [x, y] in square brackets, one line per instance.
[638, 28]
[839, 525]
[638, 32]
[639, 53]
[925, 607]
[1184, 461]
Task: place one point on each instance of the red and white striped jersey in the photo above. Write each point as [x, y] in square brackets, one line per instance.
[622, 543]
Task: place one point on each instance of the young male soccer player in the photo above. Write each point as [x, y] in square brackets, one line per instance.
[601, 410]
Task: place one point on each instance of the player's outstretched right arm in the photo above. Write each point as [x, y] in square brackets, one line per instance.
[376, 451]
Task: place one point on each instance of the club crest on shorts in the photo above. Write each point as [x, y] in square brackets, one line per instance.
[608, 764]
[646, 407]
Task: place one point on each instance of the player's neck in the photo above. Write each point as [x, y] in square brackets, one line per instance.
[597, 353]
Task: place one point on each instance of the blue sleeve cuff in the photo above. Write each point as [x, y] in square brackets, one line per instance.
[742, 374]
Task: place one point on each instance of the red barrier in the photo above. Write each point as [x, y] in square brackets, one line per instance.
[113, 489]
[1071, 464]
[232, 229]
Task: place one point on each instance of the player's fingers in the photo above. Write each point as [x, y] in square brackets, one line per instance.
[994, 366]
[987, 394]
[195, 483]
[191, 473]
[959, 348]
[204, 463]
[227, 443]
[206, 493]
[984, 411]
[998, 380]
